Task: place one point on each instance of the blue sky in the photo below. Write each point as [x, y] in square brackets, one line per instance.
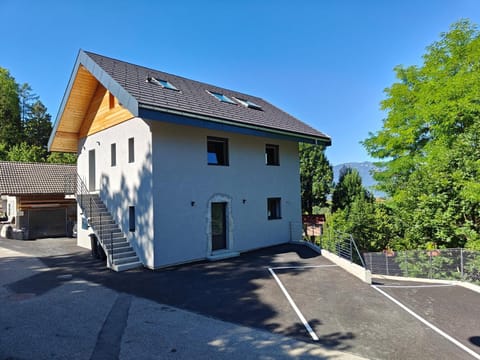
[325, 62]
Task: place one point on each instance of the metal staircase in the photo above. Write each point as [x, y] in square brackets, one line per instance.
[120, 254]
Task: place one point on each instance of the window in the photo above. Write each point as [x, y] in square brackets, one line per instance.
[113, 154]
[163, 83]
[222, 97]
[131, 150]
[273, 208]
[131, 218]
[217, 151]
[248, 103]
[272, 155]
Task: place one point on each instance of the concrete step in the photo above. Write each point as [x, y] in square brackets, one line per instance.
[106, 221]
[126, 260]
[127, 266]
[121, 255]
[126, 248]
[117, 245]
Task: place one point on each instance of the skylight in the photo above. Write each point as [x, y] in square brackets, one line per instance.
[222, 97]
[248, 103]
[163, 83]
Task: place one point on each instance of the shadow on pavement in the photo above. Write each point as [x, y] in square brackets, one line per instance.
[238, 290]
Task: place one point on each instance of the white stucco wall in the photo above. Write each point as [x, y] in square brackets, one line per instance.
[181, 175]
[126, 184]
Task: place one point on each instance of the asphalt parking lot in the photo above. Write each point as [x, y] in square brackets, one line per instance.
[304, 301]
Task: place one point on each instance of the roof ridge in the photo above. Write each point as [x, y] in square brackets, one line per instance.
[35, 163]
[174, 75]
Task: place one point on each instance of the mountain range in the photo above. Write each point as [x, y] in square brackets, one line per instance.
[365, 170]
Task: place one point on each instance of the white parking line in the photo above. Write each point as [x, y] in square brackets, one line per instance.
[294, 306]
[414, 286]
[430, 325]
[301, 267]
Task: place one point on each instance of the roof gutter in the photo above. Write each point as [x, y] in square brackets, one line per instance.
[317, 140]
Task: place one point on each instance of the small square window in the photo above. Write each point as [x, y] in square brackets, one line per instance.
[273, 208]
[217, 151]
[222, 97]
[131, 150]
[248, 103]
[131, 218]
[113, 154]
[272, 155]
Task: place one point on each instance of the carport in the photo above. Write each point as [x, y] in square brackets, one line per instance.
[35, 199]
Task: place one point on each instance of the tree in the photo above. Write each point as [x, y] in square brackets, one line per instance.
[26, 153]
[429, 145]
[348, 188]
[62, 158]
[10, 124]
[316, 176]
[26, 97]
[37, 125]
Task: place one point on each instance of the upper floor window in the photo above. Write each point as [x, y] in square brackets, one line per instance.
[222, 97]
[113, 154]
[131, 150]
[217, 151]
[272, 155]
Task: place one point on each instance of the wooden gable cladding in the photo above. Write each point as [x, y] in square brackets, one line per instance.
[103, 112]
[89, 108]
[66, 137]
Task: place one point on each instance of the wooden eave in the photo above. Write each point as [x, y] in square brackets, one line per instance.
[93, 102]
[67, 132]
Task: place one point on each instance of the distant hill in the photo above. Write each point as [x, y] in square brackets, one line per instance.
[365, 170]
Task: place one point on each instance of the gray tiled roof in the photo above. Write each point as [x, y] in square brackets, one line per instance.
[194, 99]
[33, 178]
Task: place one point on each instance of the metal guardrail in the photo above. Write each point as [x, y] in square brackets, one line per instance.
[445, 264]
[343, 245]
[75, 185]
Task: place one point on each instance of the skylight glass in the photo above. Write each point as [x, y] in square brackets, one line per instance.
[248, 103]
[222, 97]
[163, 83]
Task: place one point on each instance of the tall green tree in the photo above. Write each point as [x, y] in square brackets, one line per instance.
[348, 188]
[10, 124]
[26, 97]
[429, 144]
[37, 125]
[316, 177]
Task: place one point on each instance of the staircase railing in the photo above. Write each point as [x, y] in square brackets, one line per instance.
[75, 185]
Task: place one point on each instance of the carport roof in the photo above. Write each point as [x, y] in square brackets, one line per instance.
[18, 178]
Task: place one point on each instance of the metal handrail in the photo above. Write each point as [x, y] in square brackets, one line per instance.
[344, 245]
[92, 211]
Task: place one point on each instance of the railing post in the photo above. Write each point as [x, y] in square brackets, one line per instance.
[406, 262]
[111, 246]
[461, 263]
[386, 263]
[430, 264]
[351, 250]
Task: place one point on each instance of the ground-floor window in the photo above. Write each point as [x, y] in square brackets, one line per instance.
[274, 208]
[131, 218]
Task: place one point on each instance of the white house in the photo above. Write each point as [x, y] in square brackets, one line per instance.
[180, 170]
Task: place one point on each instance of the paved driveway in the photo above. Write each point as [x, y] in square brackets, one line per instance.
[289, 291]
